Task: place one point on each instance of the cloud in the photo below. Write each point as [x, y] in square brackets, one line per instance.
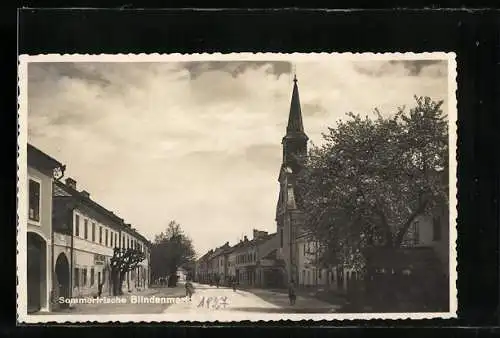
[200, 142]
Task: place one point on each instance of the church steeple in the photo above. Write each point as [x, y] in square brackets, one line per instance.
[295, 140]
[295, 124]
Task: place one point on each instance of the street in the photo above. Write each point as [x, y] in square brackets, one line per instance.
[207, 300]
[211, 299]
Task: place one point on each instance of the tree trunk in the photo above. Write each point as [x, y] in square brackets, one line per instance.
[114, 281]
[120, 283]
[128, 281]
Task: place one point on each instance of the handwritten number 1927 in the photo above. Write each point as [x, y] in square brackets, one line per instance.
[213, 302]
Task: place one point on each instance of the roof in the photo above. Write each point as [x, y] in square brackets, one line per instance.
[221, 250]
[60, 187]
[271, 255]
[205, 256]
[295, 125]
[41, 161]
[253, 242]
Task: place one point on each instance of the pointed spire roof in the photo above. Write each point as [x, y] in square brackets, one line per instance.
[295, 124]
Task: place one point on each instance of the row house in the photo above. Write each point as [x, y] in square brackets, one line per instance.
[201, 268]
[85, 236]
[41, 172]
[244, 256]
[254, 262]
[212, 267]
[71, 238]
[310, 274]
[250, 262]
[219, 264]
[139, 278]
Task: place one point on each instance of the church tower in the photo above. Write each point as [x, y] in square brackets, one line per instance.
[288, 214]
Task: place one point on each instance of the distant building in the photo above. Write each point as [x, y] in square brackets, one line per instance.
[182, 275]
[85, 236]
[41, 171]
[254, 262]
[432, 231]
[244, 258]
[201, 268]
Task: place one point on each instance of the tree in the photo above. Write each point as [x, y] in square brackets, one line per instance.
[372, 178]
[123, 260]
[171, 249]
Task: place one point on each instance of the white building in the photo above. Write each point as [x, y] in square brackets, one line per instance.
[85, 236]
[41, 169]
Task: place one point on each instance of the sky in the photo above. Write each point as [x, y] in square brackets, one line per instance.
[200, 142]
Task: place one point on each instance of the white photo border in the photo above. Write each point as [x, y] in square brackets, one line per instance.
[220, 316]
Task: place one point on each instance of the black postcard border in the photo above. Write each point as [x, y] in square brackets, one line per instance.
[474, 35]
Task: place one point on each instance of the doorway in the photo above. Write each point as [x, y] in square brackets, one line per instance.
[36, 272]
[62, 278]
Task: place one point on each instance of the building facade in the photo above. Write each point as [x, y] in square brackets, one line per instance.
[201, 268]
[244, 256]
[85, 237]
[41, 171]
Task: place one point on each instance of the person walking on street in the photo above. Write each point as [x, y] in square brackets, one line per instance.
[291, 293]
[189, 289]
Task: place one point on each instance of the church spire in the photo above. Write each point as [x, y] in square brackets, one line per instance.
[295, 124]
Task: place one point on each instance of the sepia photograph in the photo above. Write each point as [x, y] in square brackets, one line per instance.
[236, 187]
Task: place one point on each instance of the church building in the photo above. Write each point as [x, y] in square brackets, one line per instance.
[289, 218]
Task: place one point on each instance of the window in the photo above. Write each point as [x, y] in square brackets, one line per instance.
[77, 225]
[281, 238]
[319, 274]
[303, 276]
[93, 232]
[84, 275]
[99, 281]
[85, 229]
[123, 242]
[116, 240]
[76, 278]
[106, 237]
[304, 249]
[436, 228]
[100, 235]
[111, 239]
[92, 277]
[34, 201]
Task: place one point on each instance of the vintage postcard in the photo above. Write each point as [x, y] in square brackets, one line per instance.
[236, 187]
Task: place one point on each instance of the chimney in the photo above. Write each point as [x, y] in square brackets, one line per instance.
[227, 244]
[85, 193]
[71, 183]
[259, 233]
[245, 238]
